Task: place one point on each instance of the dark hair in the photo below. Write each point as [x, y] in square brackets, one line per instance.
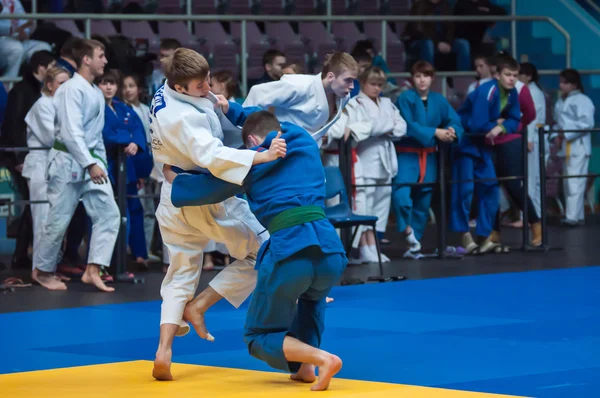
[505, 61]
[423, 67]
[573, 77]
[260, 124]
[529, 69]
[66, 51]
[361, 56]
[270, 55]
[111, 76]
[169, 44]
[363, 46]
[227, 78]
[489, 60]
[40, 58]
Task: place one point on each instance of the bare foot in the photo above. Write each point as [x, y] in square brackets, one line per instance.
[162, 365]
[329, 300]
[47, 280]
[92, 277]
[195, 316]
[329, 368]
[306, 374]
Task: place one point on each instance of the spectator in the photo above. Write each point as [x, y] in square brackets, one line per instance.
[377, 60]
[273, 63]
[364, 59]
[425, 39]
[485, 69]
[14, 134]
[66, 60]
[123, 128]
[573, 111]
[293, 69]
[15, 48]
[157, 79]
[474, 32]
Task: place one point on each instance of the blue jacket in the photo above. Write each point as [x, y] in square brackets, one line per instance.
[293, 181]
[421, 123]
[120, 129]
[480, 112]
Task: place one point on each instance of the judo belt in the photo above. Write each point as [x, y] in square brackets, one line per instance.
[353, 161]
[59, 146]
[296, 216]
[422, 153]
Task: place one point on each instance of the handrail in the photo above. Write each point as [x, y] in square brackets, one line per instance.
[296, 18]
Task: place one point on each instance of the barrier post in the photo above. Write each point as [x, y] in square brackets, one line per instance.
[345, 160]
[441, 223]
[121, 274]
[542, 160]
[525, 184]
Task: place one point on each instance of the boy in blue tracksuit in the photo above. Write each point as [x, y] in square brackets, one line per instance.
[489, 112]
[304, 257]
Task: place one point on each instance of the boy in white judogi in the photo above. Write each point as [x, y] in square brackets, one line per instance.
[40, 133]
[77, 169]
[574, 111]
[313, 102]
[187, 133]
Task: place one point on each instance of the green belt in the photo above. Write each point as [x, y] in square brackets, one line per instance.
[59, 146]
[296, 216]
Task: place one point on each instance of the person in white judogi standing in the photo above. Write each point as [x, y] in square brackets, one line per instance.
[77, 170]
[40, 133]
[574, 111]
[187, 133]
[528, 74]
[376, 155]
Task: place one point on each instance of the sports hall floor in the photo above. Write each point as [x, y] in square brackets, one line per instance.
[519, 324]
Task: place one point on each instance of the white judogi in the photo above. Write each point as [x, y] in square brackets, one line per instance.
[376, 154]
[40, 133]
[298, 99]
[473, 86]
[80, 118]
[533, 162]
[187, 133]
[575, 112]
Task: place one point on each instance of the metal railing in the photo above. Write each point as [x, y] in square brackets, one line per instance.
[383, 19]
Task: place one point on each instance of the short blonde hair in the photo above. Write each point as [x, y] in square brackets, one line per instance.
[183, 66]
[51, 74]
[338, 62]
[373, 74]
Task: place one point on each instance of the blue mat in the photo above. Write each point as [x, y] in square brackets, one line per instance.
[529, 333]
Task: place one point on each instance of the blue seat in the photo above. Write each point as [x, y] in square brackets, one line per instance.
[341, 215]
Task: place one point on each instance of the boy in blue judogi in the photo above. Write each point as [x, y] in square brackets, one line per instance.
[429, 118]
[489, 111]
[304, 257]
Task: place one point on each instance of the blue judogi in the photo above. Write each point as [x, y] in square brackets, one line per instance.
[417, 160]
[304, 257]
[121, 127]
[472, 159]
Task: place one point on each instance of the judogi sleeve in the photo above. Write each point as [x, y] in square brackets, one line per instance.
[583, 109]
[451, 119]
[357, 120]
[237, 114]
[424, 134]
[70, 114]
[511, 123]
[527, 107]
[400, 126]
[40, 120]
[195, 140]
[275, 94]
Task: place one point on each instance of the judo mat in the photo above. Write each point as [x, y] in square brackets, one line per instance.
[526, 334]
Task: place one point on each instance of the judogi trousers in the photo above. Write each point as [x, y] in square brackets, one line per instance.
[65, 188]
[467, 167]
[39, 212]
[574, 188]
[186, 231]
[308, 276]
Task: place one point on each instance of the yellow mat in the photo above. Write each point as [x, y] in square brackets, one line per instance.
[133, 379]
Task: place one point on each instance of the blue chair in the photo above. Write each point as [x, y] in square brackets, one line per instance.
[341, 215]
